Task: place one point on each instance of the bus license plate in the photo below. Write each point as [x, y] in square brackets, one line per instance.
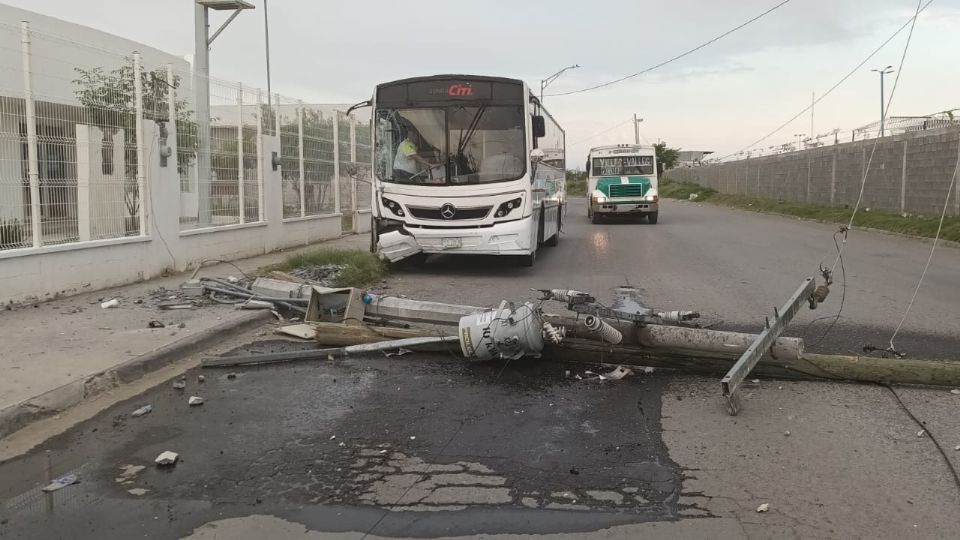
[450, 243]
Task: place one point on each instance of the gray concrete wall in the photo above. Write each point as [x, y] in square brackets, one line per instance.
[909, 173]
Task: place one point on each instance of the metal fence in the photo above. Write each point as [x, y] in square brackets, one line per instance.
[70, 163]
[81, 127]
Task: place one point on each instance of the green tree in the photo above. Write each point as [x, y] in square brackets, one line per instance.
[666, 157]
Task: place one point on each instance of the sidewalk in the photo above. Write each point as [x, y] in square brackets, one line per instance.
[60, 352]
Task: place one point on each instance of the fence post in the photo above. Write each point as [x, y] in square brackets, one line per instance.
[141, 166]
[809, 161]
[833, 177]
[241, 191]
[33, 166]
[903, 180]
[336, 162]
[276, 117]
[302, 180]
[353, 177]
[260, 151]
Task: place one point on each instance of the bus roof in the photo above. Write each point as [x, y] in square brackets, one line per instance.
[453, 76]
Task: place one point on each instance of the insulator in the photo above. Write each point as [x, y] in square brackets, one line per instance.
[606, 332]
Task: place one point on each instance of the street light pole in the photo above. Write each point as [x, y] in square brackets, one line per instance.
[546, 82]
[883, 111]
[636, 128]
[201, 89]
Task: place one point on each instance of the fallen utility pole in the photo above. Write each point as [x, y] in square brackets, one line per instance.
[273, 358]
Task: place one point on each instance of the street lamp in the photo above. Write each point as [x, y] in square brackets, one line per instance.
[883, 112]
[636, 128]
[201, 85]
[546, 82]
[798, 135]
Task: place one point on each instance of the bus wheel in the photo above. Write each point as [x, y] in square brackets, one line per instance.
[652, 217]
[528, 260]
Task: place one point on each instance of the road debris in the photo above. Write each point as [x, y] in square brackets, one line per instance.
[231, 375]
[110, 304]
[167, 459]
[193, 401]
[765, 507]
[142, 411]
[156, 324]
[921, 433]
[398, 352]
[138, 491]
[955, 391]
[617, 374]
[180, 384]
[786, 433]
[693, 196]
[201, 379]
[60, 483]
[257, 304]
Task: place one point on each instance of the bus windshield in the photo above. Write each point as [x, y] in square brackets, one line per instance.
[622, 165]
[475, 144]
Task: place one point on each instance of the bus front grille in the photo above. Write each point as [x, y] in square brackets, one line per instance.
[459, 213]
[627, 190]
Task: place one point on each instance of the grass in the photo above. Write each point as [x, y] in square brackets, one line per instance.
[577, 187]
[922, 226]
[360, 267]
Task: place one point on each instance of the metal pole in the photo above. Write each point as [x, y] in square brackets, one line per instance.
[201, 89]
[883, 111]
[33, 166]
[336, 162]
[141, 166]
[241, 195]
[303, 192]
[636, 129]
[353, 177]
[266, 39]
[260, 155]
[276, 117]
[813, 102]
[171, 101]
[541, 90]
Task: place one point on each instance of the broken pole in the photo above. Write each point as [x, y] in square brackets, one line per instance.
[273, 358]
[731, 381]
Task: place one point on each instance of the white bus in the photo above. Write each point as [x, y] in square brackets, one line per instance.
[465, 165]
[622, 181]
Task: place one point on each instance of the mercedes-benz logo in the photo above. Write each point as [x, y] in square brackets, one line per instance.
[447, 211]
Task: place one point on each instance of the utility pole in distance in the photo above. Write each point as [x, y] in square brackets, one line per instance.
[636, 128]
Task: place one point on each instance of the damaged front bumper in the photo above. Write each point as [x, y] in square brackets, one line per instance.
[395, 241]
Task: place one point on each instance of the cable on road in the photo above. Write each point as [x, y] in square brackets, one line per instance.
[835, 86]
[943, 453]
[675, 58]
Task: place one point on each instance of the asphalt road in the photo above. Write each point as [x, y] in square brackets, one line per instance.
[425, 446]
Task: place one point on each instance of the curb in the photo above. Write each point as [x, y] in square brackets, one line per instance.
[18, 416]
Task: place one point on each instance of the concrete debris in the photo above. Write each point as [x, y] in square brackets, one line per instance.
[955, 391]
[617, 374]
[921, 433]
[756, 381]
[167, 459]
[142, 411]
[231, 376]
[786, 433]
[332, 437]
[302, 331]
[257, 304]
[179, 384]
[193, 401]
[957, 448]
[110, 304]
[765, 507]
[61, 483]
[233, 279]
[201, 379]
[413, 437]
[138, 491]
[156, 324]
[324, 275]
[342, 444]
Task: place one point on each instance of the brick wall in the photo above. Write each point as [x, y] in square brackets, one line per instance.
[909, 173]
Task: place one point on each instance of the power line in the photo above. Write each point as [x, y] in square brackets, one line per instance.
[675, 58]
[599, 133]
[834, 87]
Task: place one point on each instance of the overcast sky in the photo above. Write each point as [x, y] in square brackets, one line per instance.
[720, 98]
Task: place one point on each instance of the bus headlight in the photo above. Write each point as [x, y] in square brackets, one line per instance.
[598, 197]
[393, 206]
[508, 207]
[651, 198]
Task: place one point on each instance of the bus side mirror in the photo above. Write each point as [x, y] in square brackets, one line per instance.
[539, 127]
[536, 155]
